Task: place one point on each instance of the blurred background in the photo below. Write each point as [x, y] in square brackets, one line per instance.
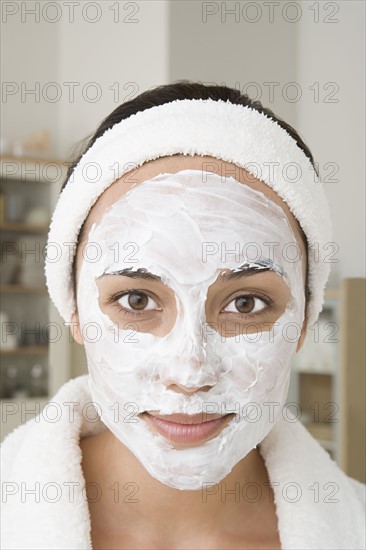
[66, 65]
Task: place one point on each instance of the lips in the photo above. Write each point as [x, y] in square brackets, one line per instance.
[182, 428]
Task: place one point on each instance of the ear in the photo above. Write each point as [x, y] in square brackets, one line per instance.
[75, 329]
[302, 335]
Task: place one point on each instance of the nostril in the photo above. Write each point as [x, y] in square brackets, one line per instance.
[178, 388]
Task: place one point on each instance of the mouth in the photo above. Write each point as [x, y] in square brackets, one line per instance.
[184, 428]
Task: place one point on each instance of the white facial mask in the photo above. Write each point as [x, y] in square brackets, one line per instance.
[181, 225]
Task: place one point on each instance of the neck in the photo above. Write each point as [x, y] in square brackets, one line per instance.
[129, 496]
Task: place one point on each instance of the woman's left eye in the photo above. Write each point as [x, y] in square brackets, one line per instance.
[245, 304]
[137, 301]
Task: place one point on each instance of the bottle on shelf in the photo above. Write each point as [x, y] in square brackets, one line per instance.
[13, 386]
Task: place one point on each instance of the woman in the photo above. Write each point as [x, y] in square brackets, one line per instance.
[194, 212]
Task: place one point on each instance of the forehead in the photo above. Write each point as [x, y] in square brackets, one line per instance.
[191, 226]
[172, 165]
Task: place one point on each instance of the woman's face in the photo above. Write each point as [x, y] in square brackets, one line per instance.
[188, 322]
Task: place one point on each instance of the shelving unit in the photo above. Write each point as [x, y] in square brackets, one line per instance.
[28, 184]
[328, 377]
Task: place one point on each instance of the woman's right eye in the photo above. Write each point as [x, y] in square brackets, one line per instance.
[137, 301]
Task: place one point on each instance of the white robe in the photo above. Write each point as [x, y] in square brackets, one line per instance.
[57, 516]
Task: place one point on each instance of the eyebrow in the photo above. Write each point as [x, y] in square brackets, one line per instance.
[139, 273]
[243, 272]
[229, 275]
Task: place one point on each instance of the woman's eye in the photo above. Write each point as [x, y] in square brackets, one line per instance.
[137, 301]
[245, 304]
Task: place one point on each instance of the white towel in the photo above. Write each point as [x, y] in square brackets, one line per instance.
[49, 453]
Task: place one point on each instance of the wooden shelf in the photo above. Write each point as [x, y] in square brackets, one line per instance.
[23, 227]
[309, 370]
[22, 289]
[42, 159]
[26, 350]
[36, 178]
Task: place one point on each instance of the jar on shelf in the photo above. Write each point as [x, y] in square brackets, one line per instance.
[14, 207]
[38, 381]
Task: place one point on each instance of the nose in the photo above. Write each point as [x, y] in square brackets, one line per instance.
[193, 366]
[188, 376]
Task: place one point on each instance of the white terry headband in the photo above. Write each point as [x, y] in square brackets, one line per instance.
[232, 133]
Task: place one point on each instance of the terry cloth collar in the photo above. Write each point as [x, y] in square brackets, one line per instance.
[318, 506]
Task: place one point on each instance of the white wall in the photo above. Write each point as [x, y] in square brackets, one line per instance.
[240, 48]
[126, 50]
[29, 59]
[334, 53]
[203, 41]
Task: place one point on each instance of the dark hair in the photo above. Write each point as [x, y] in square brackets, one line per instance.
[182, 89]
